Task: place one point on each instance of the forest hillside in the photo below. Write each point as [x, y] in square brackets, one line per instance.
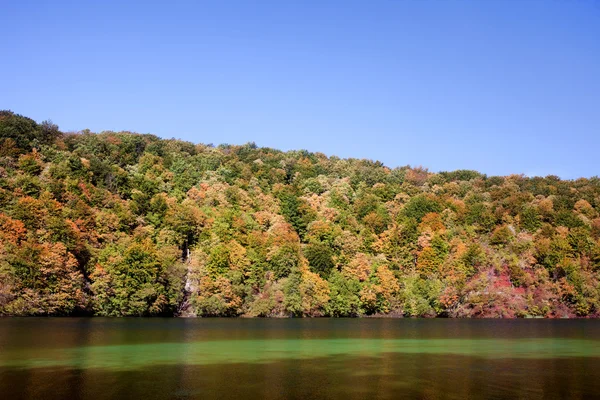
[125, 224]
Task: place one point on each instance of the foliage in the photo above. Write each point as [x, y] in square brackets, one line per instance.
[120, 224]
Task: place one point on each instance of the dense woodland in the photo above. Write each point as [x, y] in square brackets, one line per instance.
[124, 224]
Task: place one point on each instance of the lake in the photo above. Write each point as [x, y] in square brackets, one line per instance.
[97, 358]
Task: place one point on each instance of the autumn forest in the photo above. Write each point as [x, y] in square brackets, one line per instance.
[125, 224]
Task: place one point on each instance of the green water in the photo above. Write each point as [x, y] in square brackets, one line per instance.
[323, 358]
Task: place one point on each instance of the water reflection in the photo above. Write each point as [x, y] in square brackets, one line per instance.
[267, 359]
[393, 376]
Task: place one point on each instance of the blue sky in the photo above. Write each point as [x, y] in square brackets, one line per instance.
[498, 86]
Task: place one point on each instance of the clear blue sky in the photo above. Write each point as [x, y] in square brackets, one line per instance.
[498, 86]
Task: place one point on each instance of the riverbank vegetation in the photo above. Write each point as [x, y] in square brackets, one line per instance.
[124, 224]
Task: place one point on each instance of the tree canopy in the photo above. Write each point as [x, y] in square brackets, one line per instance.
[119, 224]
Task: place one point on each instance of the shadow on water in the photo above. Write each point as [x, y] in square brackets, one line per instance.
[390, 376]
[287, 359]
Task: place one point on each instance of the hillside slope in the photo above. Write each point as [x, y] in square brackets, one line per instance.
[118, 224]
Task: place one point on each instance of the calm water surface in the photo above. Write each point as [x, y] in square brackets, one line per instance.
[96, 358]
